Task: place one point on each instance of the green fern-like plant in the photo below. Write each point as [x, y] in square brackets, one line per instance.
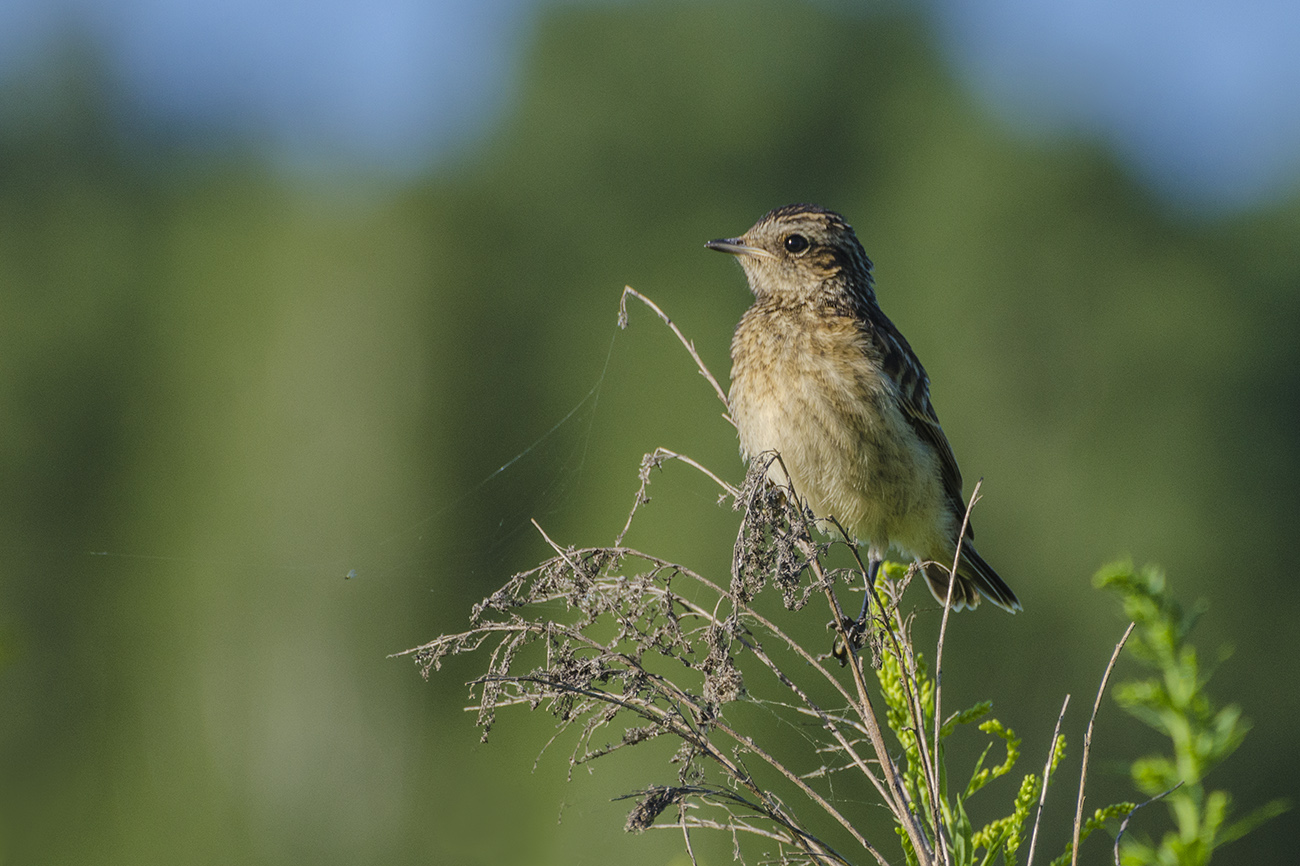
[903, 680]
[1175, 702]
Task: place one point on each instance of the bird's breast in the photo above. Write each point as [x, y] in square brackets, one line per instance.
[810, 388]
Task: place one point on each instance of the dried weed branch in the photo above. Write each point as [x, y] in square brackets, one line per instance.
[623, 648]
[599, 666]
[690, 346]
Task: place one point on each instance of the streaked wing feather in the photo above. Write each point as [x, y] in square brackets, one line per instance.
[901, 364]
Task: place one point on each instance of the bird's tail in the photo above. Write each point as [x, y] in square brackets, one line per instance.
[975, 577]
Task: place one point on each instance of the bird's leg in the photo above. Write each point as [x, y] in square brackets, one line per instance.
[856, 629]
[873, 566]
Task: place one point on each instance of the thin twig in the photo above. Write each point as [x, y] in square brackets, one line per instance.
[1047, 770]
[751, 746]
[655, 460]
[686, 832]
[673, 455]
[828, 722]
[1087, 743]
[898, 800]
[1124, 824]
[938, 665]
[564, 554]
[906, 660]
[817, 850]
[690, 346]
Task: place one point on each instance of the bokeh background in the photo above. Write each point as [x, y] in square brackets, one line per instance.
[291, 292]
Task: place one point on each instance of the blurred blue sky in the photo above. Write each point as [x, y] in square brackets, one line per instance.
[1200, 97]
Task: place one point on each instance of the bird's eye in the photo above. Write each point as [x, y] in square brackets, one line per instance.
[796, 243]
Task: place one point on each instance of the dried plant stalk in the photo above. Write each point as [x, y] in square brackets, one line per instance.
[626, 647]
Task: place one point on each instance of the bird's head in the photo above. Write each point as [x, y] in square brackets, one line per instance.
[800, 253]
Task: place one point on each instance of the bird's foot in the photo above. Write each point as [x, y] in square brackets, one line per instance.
[851, 635]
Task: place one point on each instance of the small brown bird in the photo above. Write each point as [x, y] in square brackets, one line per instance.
[821, 377]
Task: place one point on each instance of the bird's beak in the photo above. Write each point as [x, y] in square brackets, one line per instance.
[737, 247]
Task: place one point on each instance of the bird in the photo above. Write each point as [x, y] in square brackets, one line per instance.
[821, 377]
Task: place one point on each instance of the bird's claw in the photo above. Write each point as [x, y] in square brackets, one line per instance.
[854, 631]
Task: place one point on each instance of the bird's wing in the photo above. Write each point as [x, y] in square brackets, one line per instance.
[901, 365]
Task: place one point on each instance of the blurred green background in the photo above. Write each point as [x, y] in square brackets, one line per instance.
[223, 387]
